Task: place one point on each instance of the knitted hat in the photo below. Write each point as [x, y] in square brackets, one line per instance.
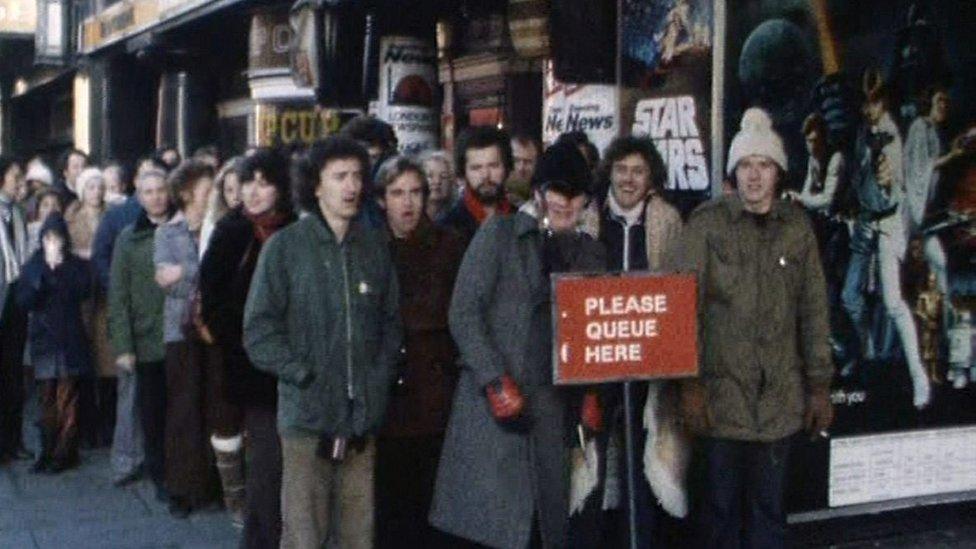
[84, 177]
[563, 169]
[756, 137]
[39, 172]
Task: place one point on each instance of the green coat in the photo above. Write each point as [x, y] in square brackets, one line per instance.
[324, 317]
[763, 318]
[135, 301]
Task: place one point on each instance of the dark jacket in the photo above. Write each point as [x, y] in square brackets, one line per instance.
[324, 317]
[115, 219]
[460, 220]
[762, 322]
[427, 263]
[225, 278]
[492, 479]
[58, 346]
[135, 301]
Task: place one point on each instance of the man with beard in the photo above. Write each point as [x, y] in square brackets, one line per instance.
[483, 158]
[503, 479]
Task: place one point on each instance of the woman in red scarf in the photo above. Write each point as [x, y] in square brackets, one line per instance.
[225, 278]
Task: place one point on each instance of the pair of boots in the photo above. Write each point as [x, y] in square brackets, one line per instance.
[229, 453]
[53, 458]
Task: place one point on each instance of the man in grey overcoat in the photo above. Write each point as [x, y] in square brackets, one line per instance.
[503, 479]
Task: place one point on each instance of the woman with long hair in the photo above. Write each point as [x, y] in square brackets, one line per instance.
[225, 278]
[225, 197]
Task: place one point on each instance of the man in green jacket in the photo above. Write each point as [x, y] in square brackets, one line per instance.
[323, 315]
[765, 366]
[135, 322]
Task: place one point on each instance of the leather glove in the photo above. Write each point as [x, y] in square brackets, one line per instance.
[694, 407]
[504, 398]
[591, 414]
[819, 412]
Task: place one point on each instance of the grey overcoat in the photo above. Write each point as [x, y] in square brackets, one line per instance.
[492, 479]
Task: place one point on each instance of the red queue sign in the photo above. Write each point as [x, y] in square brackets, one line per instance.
[624, 327]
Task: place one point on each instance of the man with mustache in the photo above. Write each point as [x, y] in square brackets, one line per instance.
[483, 158]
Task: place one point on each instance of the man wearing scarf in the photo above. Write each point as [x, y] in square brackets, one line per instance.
[483, 158]
[13, 321]
[637, 226]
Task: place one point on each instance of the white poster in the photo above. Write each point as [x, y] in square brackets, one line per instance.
[590, 108]
[673, 123]
[408, 91]
[872, 468]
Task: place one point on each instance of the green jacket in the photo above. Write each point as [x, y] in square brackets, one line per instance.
[763, 318]
[324, 317]
[135, 301]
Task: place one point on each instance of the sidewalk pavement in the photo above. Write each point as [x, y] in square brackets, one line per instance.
[81, 508]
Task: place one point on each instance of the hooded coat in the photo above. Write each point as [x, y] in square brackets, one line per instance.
[58, 345]
[493, 479]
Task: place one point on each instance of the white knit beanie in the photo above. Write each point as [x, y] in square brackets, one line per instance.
[37, 171]
[756, 137]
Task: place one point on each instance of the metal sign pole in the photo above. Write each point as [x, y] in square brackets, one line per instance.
[631, 466]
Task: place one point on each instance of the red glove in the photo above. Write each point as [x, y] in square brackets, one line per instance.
[504, 398]
[591, 415]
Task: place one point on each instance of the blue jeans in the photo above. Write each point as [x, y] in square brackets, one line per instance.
[127, 442]
[740, 504]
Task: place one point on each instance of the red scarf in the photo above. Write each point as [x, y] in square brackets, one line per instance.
[267, 223]
[478, 210]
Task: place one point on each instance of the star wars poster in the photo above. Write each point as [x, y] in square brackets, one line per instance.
[666, 56]
[876, 104]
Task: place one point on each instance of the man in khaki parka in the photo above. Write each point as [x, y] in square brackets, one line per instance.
[763, 329]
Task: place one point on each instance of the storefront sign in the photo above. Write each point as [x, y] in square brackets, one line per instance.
[624, 328]
[117, 21]
[674, 123]
[283, 123]
[18, 16]
[269, 40]
[408, 91]
[590, 108]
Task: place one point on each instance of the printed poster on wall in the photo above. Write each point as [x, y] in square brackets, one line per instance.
[667, 70]
[848, 85]
[590, 108]
[408, 91]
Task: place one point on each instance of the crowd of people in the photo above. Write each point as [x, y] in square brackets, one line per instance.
[343, 343]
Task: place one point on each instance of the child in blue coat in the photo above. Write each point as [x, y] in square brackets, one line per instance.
[54, 282]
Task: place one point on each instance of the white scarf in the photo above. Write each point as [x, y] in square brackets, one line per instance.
[13, 247]
[631, 216]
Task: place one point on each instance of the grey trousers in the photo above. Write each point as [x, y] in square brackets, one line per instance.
[322, 500]
[127, 443]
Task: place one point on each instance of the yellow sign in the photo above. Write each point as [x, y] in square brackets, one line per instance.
[118, 21]
[18, 16]
[283, 124]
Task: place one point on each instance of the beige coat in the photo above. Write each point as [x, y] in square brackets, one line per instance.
[82, 224]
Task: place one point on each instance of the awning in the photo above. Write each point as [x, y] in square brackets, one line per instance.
[132, 19]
